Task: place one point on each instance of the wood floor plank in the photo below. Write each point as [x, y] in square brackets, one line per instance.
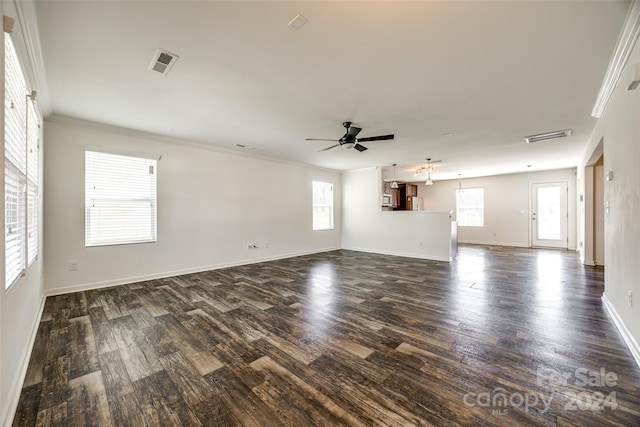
[81, 350]
[35, 370]
[337, 338]
[87, 404]
[161, 402]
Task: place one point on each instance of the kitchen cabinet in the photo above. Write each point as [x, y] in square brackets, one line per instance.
[395, 197]
[411, 190]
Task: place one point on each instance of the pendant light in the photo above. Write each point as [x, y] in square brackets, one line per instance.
[429, 167]
[459, 189]
[428, 182]
[394, 183]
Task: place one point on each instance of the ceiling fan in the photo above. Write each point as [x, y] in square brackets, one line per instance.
[350, 140]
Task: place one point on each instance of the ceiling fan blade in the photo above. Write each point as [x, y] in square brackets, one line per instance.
[376, 138]
[359, 147]
[353, 131]
[316, 139]
[329, 148]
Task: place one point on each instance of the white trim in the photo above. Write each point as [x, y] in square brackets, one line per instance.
[402, 254]
[631, 342]
[589, 262]
[624, 46]
[480, 242]
[134, 279]
[156, 137]
[26, 11]
[18, 380]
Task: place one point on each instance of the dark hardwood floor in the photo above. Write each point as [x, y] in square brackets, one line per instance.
[500, 337]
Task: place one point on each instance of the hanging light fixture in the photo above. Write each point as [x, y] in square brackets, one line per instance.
[427, 169]
[394, 183]
[459, 189]
[428, 182]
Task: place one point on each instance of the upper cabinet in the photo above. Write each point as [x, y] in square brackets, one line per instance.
[400, 196]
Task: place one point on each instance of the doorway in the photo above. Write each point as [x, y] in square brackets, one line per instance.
[549, 215]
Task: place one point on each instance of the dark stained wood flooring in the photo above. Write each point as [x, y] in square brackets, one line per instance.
[499, 337]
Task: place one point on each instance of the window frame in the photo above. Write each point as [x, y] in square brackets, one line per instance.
[469, 208]
[315, 205]
[22, 167]
[93, 239]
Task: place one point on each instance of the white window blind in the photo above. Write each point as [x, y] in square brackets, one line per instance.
[322, 205]
[33, 155]
[18, 217]
[120, 199]
[470, 207]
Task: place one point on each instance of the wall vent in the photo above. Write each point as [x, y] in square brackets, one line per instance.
[547, 136]
[162, 61]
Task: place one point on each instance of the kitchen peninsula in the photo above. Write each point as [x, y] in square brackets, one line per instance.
[417, 234]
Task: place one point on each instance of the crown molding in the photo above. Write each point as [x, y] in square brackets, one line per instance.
[30, 38]
[624, 46]
[149, 136]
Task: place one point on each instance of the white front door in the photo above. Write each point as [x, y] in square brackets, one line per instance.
[549, 215]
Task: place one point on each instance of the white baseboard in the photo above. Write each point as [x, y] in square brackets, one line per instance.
[18, 380]
[622, 328]
[480, 242]
[133, 279]
[402, 254]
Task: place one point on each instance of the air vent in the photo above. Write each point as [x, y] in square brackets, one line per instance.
[547, 136]
[162, 61]
[297, 22]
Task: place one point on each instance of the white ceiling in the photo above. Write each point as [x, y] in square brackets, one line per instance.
[488, 72]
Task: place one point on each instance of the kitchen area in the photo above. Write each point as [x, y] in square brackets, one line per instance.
[401, 197]
[401, 206]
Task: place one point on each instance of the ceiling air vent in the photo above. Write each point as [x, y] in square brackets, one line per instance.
[547, 136]
[162, 61]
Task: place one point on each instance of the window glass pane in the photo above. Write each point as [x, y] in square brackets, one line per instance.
[549, 213]
[322, 205]
[33, 136]
[120, 199]
[470, 207]
[15, 162]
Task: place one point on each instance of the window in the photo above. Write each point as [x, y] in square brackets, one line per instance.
[21, 162]
[120, 199]
[470, 207]
[322, 205]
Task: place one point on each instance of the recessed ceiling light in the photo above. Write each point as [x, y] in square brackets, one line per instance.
[448, 134]
[240, 145]
[297, 22]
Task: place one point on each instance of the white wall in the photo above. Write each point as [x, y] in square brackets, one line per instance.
[211, 205]
[506, 205]
[619, 128]
[21, 305]
[365, 228]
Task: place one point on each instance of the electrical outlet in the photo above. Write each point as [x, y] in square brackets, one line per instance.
[73, 265]
[630, 299]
